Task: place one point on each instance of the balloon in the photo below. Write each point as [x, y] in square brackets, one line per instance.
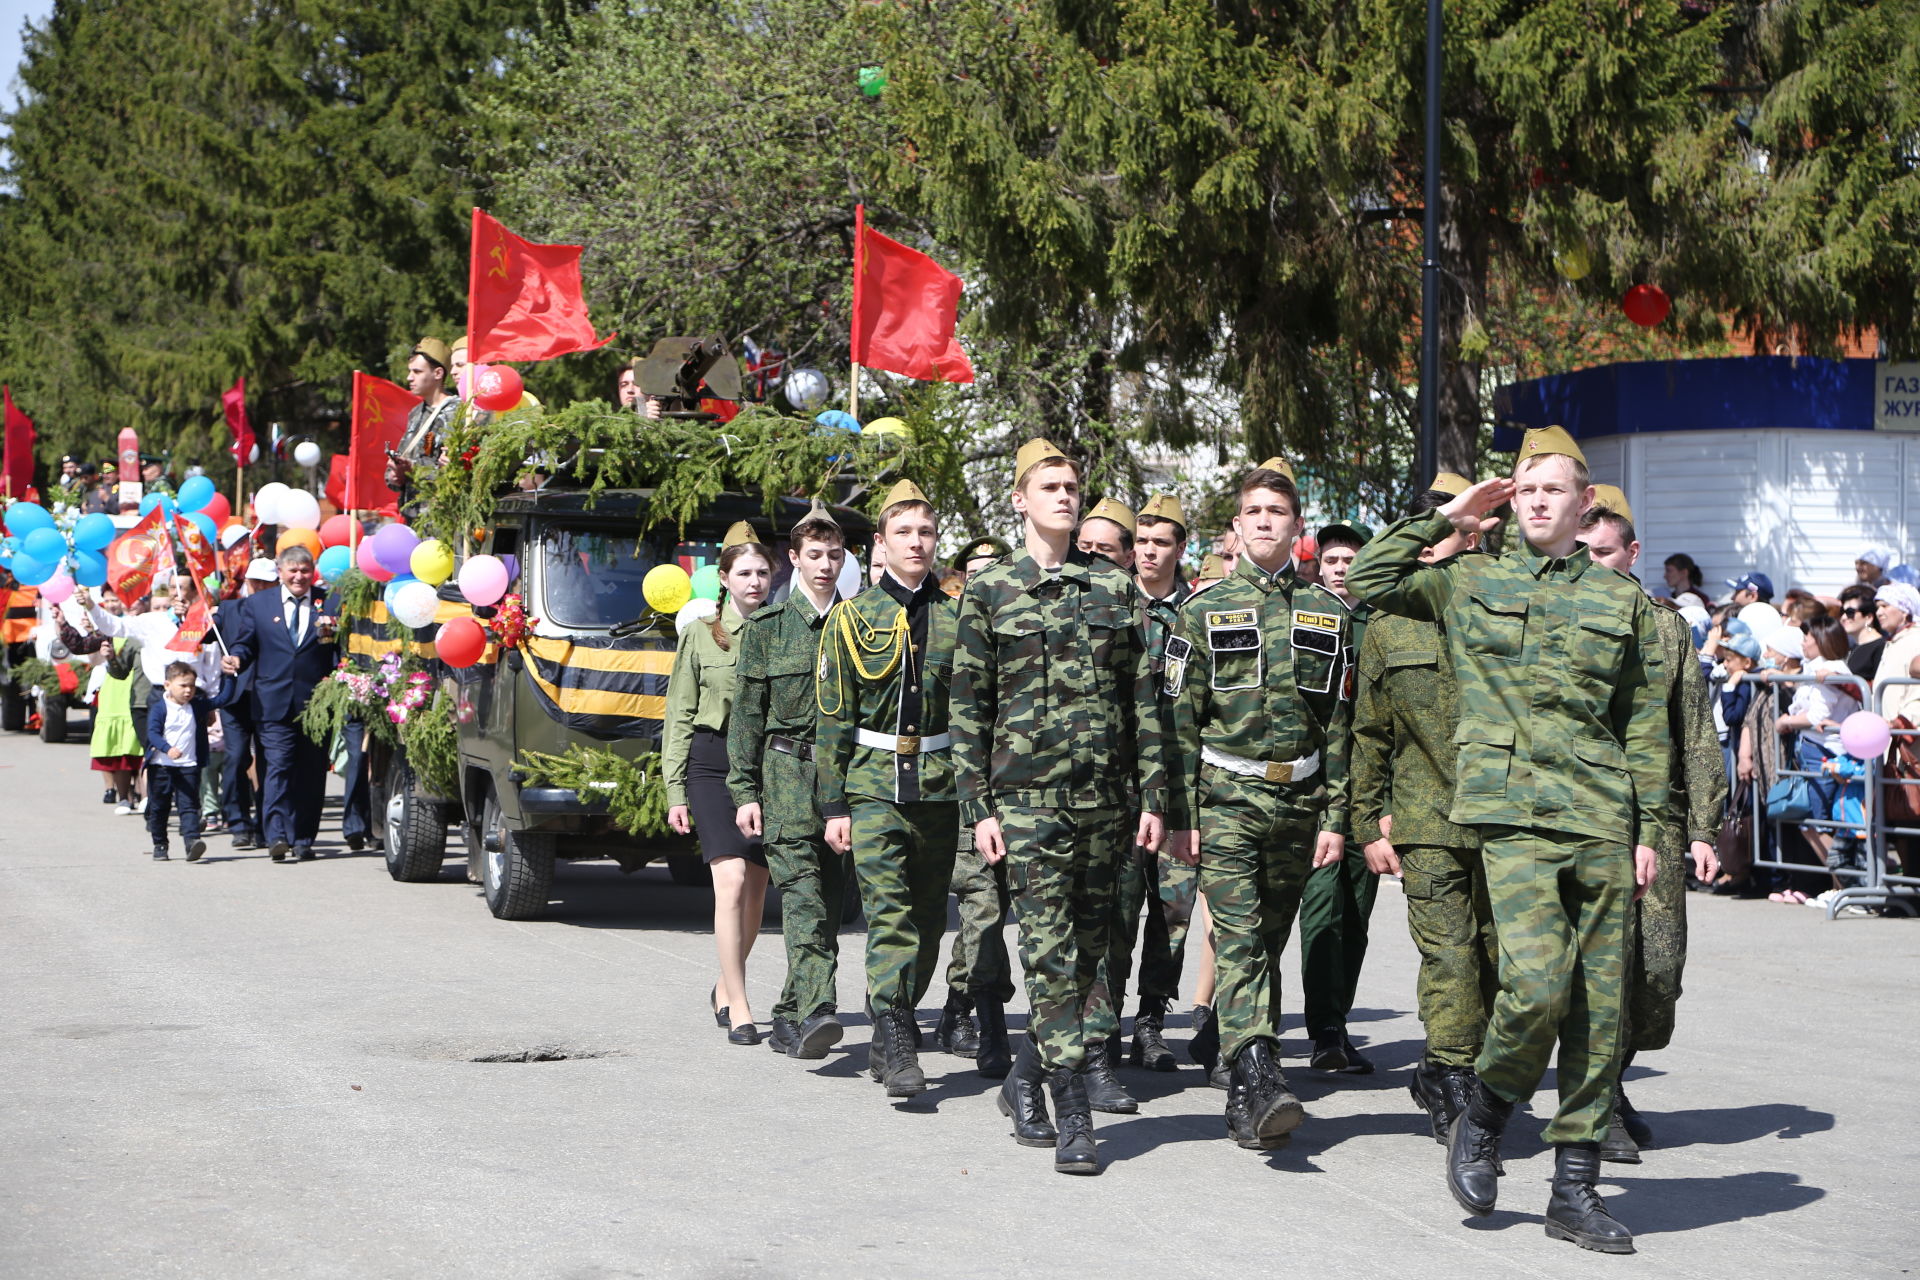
[204, 523]
[307, 453]
[1571, 259]
[1646, 305]
[253, 455]
[483, 580]
[693, 611]
[196, 493]
[872, 80]
[24, 517]
[393, 546]
[336, 531]
[414, 604]
[298, 509]
[90, 568]
[497, 388]
[849, 583]
[32, 572]
[512, 562]
[885, 427]
[805, 389]
[1306, 547]
[57, 588]
[218, 509]
[393, 588]
[94, 531]
[298, 538]
[706, 582]
[1865, 735]
[432, 562]
[369, 563]
[666, 588]
[333, 562]
[460, 642]
[836, 420]
[168, 507]
[47, 545]
[266, 502]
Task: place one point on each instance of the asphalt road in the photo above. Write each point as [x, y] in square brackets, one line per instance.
[241, 1069]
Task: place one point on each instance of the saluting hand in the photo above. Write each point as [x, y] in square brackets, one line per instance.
[1472, 511]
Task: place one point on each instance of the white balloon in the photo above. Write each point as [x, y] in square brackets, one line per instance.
[266, 502]
[851, 579]
[694, 611]
[805, 389]
[415, 604]
[298, 509]
[307, 453]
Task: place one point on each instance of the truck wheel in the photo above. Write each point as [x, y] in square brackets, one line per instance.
[688, 869]
[13, 708]
[517, 874]
[53, 718]
[414, 830]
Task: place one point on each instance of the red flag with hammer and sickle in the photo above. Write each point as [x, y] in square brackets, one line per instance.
[524, 300]
[133, 556]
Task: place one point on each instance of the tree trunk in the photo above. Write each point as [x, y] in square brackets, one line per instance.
[1464, 250]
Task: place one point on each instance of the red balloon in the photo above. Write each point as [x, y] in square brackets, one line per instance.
[218, 510]
[336, 531]
[461, 642]
[1646, 305]
[497, 388]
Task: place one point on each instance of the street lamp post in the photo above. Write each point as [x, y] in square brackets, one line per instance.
[1427, 456]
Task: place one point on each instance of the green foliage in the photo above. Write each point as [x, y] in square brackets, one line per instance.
[332, 705]
[634, 791]
[352, 597]
[37, 672]
[432, 744]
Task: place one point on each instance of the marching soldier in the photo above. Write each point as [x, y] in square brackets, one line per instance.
[770, 750]
[885, 773]
[1056, 742]
[1563, 767]
[1690, 826]
[1404, 715]
[1259, 670]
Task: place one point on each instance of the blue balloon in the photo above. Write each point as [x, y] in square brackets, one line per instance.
[333, 562]
[90, 568]
[196, 493]
[46, 545]
[837, 420]
[93, 532]
[24, 517]
[32, 572]
[162, 501]
[204, 522]
[394, 586]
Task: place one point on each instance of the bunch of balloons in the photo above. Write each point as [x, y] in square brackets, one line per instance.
[39, 548]
[277, 504]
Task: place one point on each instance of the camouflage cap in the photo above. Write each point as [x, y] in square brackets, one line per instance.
[1108, 509]
[740, 531]
[1610, 497]
[904, 491]
[1451, 483]
[1541, 441]
[434, 350]
[1032, 454]
[1279, 464]
[1165, 506]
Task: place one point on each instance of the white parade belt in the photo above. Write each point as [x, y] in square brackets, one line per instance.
[1272, 770]
[907, 744]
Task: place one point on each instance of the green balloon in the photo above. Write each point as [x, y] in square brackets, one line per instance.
[871, 80]
[706, 582]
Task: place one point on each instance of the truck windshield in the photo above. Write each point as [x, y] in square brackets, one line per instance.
[590, 577]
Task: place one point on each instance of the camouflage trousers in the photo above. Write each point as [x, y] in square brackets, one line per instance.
[980, 964]
[1256, 849]
[812, 880]
[1659, 953]
[1061, 865]
[1170, 885]
[1452, 927]
[1335, 908]
[1562, 906]
[903, 858]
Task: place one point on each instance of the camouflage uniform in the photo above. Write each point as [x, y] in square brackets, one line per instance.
[1404, 714]
[980, 963]
[1259, 669]
[1056, 734]
[905, 822]
[1695, 802]
[770, 751]
[1563, 766]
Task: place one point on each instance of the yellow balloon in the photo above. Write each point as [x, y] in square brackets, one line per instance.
[1571, 259]
[666, 588]
[886, 427]
[431, 562]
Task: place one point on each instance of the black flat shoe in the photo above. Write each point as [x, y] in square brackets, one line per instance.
[745, 1033]
[720, 1018]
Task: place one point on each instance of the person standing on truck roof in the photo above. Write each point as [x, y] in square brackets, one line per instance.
[694, 759]
[770, 749]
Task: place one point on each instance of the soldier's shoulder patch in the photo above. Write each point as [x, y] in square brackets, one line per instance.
[1179, 653]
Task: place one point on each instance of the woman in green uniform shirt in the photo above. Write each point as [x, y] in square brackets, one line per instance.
[694, 755]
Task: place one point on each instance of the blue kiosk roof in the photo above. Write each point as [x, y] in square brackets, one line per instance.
[1738, 392]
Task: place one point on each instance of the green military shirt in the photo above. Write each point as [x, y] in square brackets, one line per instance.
[699, 695]
[1053, 691]
[773, 692]
[1563, 719]
[886, 661]
[1405, 709]
[1698, 797]
[1259, 668]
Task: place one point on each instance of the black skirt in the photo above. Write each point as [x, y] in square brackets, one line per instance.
[712, 805]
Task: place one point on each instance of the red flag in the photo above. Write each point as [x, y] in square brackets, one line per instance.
[336, 486]
[524, 300]
[904, 308]
[16, 473]
[234, 401]
[235, 559]
[194, 628]
[131, 558]
[380, 411]
[202, 560]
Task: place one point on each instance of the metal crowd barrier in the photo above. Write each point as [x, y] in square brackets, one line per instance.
[1891, 885]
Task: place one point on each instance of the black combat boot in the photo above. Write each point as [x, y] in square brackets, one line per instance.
[1429, 1090]
[818, 1034]
[1073, 1150]
[1204, 1048]
[956, 1034]
[1103, 1088]
[995, 1057]
[900, 1071]
[1618, 1147]
[1628, 1117]
[1576, 1212]
[1473, 1151]
[1149, 1036]
[1261, 1110]
[1023, 1098]
[784, 1037]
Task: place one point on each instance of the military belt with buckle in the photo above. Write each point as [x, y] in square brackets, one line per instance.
[905, 744]
[1269, 770]
[791, 746]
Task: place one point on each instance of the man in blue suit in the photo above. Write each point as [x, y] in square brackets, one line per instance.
[239, 799]
[286, 637]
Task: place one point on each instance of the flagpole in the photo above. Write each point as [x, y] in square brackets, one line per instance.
[853, 392]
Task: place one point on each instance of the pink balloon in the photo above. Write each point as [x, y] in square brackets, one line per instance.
[1865, 735]
[370, 563]
[57, 588]
[483, 580]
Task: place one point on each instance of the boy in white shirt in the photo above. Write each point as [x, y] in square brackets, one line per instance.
[176, 751]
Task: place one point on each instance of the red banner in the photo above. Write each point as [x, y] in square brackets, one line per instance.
[904, 308]
[203, 561]
[194, 628]
[524, 300]
[234, 402]
[133, 556]
[16, 473]
[380, 411]
[234, 561]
